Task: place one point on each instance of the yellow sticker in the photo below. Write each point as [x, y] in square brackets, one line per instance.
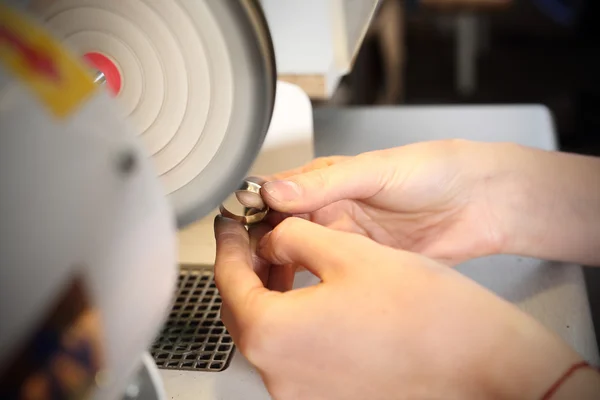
[58, 79]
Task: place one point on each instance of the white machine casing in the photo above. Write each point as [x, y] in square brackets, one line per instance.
[89, 211]
[80, 199]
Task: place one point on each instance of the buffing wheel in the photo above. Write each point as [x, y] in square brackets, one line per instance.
[196, 78]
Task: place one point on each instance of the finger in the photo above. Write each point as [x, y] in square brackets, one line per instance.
[281, 277]
[229, 321]
[355, 178]
[234, 272]
[260, 265]
[274, 218]
[250, 199]
[346, 224]
[319, 249]
[317, 163]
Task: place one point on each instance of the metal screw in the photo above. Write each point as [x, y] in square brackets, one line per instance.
[127, 163]
[100, 78]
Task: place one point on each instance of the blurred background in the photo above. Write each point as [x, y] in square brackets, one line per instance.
[484, 52]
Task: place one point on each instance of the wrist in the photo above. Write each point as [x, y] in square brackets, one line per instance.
[545, 203]
[523, 198]
[505, 185]
[532, 360]
[582, 384]
[517, 188]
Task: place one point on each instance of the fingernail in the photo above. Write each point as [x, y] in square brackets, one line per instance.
[220, 221]
[250, 199]
[282, 190]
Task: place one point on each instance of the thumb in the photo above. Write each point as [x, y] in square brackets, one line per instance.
[356, 178]
[322, 251]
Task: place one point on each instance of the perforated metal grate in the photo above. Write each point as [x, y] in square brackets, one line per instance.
[194, 337]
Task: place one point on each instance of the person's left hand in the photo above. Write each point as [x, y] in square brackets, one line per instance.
[382, 324]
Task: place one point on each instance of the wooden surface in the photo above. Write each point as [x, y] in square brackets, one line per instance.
[313, 85]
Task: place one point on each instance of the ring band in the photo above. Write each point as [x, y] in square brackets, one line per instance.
[251, 215]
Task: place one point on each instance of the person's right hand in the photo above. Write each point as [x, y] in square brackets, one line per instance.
[446, 199]
[381, 324]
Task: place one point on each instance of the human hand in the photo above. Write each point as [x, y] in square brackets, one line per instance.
[382, 324]
[443, 199]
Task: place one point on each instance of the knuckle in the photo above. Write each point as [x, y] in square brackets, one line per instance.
[286, 229]
[379, 160]
[383, 166]
[316, 185]
[320, 178]
[233, 239]
[322, 162]
[287, 224]
[315, 179]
